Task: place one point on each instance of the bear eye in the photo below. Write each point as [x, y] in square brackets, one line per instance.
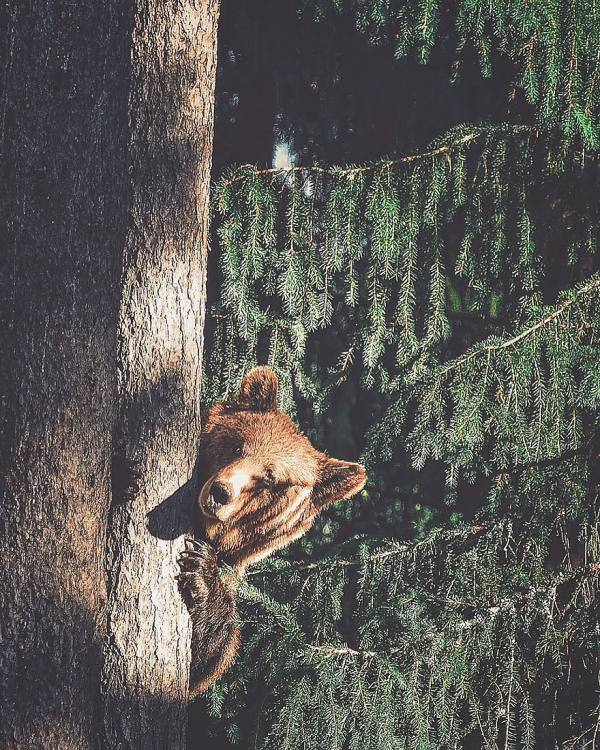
[237, 451]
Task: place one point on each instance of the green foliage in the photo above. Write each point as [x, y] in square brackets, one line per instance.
[509, 403]
[391, 646]
[457, 291]
[553, 44]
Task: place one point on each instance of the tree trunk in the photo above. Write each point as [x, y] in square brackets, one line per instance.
[63, 122]
[106, 144]
[159, 369]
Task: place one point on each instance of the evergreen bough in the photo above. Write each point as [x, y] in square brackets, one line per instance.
[553, 44]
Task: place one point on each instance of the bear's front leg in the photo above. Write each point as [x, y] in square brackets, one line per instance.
[215, 632]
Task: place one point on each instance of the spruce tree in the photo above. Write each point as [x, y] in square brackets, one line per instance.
[456, 290]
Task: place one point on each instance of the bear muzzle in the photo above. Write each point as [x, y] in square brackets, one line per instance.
[221, 494]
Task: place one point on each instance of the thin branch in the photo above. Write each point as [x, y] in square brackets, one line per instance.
[445, 149]
[397, 549]
[592, 285]
[330, 651]
[589, 571]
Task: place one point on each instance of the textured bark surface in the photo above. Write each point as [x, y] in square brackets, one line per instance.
[145, 678]
[63, 122]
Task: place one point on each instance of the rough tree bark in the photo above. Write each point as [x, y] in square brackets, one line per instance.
[159, 365]
[63, 122]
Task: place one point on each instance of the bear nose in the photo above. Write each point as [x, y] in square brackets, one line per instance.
[220, 493]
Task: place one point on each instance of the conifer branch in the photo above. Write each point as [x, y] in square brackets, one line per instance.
[350, 171]
[591, 286]
[397, 549]
[330, 651]
[554, 48]
[591, 572]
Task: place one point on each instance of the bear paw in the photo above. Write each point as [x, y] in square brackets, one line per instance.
[198, 571]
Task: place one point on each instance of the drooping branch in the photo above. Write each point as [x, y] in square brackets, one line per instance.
[589, 288]
[298, 241]
[240, 172]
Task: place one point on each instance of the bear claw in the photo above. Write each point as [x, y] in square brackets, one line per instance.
[199, 547]
[197, 559]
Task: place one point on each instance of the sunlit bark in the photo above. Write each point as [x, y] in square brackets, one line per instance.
[160, 354]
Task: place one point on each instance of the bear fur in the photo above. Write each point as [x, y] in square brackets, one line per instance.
[262, 485]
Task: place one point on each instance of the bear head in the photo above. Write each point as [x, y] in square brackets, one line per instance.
[262, 483]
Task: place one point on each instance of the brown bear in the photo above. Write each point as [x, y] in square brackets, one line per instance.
[262, 484]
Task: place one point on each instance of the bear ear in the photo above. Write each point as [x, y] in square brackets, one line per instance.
[259, 390]
[338, 480]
